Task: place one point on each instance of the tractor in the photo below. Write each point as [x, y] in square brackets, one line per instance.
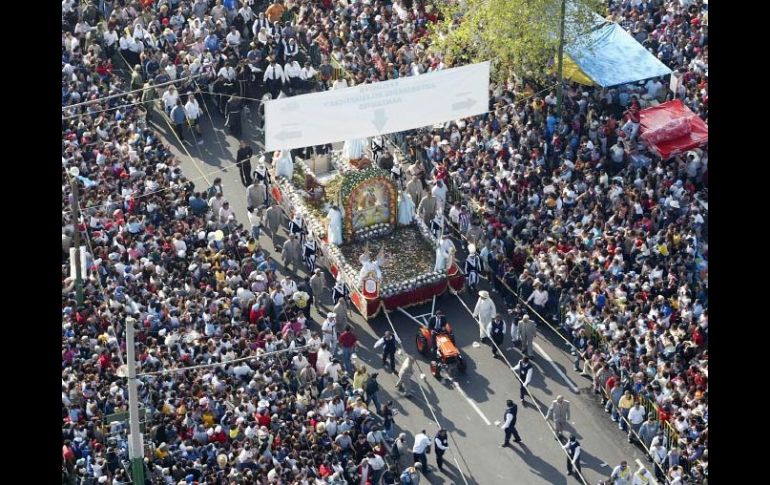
[441, 347]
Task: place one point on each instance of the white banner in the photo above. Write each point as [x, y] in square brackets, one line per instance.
[377, 109]
[83, 262]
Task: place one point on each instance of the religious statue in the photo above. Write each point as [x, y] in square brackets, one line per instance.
[284, 165]
[369, 268]
[335, 225]
[353, 149]
[405, 209]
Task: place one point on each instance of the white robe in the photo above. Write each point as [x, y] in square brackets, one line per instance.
[353, 149]
[284, 165]
[485, 311]
[405, 209]
[441, 259]
[335, 227]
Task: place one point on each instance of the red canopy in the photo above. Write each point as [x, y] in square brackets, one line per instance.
[671, 128]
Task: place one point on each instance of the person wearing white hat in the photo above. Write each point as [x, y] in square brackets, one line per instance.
[485, 311]
[472, 267]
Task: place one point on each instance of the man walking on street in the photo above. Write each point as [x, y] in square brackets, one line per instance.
[243, 159]
[273, 216]
[405, 376]
[621, 475]
[442, 444]
[388, 341]
[329, 331]
[524, 370]
[527, 330]
[291, 253]
[573, 455]
[509, 425]
[559, 413]
[485, 310]
[496, 331]
[348, 342]
[419, 450]
[317, 285]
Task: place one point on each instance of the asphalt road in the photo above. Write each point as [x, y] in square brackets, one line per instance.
[471, 407]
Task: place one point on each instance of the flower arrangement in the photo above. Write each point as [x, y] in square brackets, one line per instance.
[373, 231]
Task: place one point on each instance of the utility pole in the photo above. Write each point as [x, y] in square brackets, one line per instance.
[136, 441]
[560, 86]
[74, 172]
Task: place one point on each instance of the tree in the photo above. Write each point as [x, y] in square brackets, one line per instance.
[520, 37]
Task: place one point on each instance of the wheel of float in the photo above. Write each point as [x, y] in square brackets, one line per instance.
[462, 366]
[422, 344]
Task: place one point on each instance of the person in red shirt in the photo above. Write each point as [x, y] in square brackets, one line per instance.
[348, 342]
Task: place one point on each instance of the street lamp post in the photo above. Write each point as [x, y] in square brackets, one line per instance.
[560, 86]
[136, 442]
[74, 172]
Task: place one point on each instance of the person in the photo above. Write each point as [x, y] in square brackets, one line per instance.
[484, 311]
[420, 449]
[318, 284]
[388, 343]
[193, 112]
[559, 412]
[621, 474]
[273, 217]
[539, 299]
[411, 475]
[509, 424]
[290, 253]
[438, 322]
[524, 370]
[309, 253]
[233, 115]
[329, 331]
[297, 228]
[273, 78]
[496, 331]
[441, 441]
[335, 225]
[256, 195]
[405, 376]
[405, 208]
[371, 392]
[179, 117]
[527, 330]
[427, 208]
[573, 456]
[348, 342]
[437, 225]
[243, 159]
[255, 221]
[472, 267]
[340, 291]
[261, 174]
[636, 417]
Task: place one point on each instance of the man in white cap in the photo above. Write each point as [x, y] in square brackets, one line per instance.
[472, 267]
[485, 311]
[329, 330]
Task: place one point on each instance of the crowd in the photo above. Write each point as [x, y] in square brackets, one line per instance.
[576, 209]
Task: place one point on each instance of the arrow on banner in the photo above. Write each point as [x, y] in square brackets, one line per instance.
[463, 104]
[379, 119]
[286, 135]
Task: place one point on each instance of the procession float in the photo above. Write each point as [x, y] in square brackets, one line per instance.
[367, 233]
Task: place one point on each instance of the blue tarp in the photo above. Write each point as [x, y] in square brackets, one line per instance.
[610, 56]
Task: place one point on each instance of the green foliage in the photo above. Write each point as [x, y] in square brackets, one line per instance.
[520, 37]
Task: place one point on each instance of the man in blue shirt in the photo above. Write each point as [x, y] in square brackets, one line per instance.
[178, 116]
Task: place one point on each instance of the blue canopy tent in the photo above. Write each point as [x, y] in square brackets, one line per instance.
[610, 56]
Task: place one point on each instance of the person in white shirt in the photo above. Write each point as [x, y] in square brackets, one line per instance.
[539, 298]
[273, 78]
[233, 40]
[289, 286]
[227, 72]
[329, 330]
[307, 75]
[332, 370]
[421, 444]
[291, 72]
[636, 417]
[225, 212]
[193, 111]
[169, 98]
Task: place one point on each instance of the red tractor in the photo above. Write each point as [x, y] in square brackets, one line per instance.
[441, 347]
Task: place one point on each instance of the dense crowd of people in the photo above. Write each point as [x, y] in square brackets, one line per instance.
[577, 209]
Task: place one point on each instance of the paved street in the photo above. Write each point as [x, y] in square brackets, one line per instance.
[469, 407]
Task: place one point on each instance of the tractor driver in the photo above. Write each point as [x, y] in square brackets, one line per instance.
[437, 324]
